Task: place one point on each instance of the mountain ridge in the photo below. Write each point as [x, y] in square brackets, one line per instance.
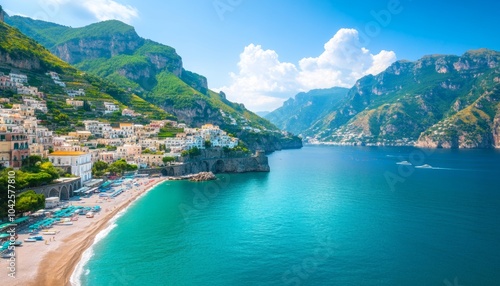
[412, 102]
[154, 72]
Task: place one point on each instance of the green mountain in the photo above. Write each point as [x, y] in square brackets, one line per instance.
[298, 114]
[438, 101]
[154, 72]
[19, 53]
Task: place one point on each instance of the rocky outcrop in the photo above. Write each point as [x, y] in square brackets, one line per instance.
[1, 14]
[198, 114]
[270, 142]
[407, 101]
[215, 161]
[20, 62]
[496, 130]
[196, 81]
[81, 49]
[202, 177]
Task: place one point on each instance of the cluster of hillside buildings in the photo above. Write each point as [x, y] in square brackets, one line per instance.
[21, 135]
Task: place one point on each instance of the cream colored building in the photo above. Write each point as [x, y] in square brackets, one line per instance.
[75, 103]
[79, 163]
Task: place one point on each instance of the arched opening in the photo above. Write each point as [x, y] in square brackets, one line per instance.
[218, 167]
[70, 190]
[206, 166]
[64, 193]
[168, 172]
[53, 193]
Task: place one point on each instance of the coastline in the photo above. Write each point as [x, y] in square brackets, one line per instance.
[55, 262]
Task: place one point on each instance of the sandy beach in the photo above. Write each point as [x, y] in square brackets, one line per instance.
[51, 262]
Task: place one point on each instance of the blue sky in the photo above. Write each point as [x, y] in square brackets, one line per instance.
[261, 52]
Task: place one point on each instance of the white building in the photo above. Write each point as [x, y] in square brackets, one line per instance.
[60, 83]
[53, 75]
[98, 129]
[27, 90]
[18, 78]
[128, 112]
[75, 92]
[79, 163]
[110, 107]
[36, 104]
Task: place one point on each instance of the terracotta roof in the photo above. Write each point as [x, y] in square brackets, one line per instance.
[67, 153]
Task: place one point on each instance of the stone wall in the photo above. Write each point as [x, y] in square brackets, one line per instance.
[209, 162]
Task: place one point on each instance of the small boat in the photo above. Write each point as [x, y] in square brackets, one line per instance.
[17, 243]
[8, 254]
[404, 163]
[425, 166]
[37, 238]
[49, 232]
[30, 240]
[90, 215]
[66, 223]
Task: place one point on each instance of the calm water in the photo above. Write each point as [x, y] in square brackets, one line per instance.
[322, 216]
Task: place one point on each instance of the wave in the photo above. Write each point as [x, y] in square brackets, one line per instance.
[76, 277]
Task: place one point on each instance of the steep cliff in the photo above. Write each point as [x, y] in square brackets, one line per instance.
[153, 71]
[218, 161]
[410, 101]
[299, 113]
[19, 53]
[476, 126]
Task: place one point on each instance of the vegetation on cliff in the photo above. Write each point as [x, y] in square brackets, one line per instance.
[20, 54]
[148, 70]
[439, 100]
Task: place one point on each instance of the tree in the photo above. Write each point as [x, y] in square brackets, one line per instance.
[131, 168]
[86, 106]
[99, 168]
[30, 162]
[168, 160]
[208, 144]
[29, 201]
[118, 167]
[121, 166]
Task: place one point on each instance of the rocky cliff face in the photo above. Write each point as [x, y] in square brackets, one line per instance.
[198, 114]
[21, 63]
[78, 50]
[476, 126]
[299, 113]
[217, 161]
[113, 50]
[412, 101]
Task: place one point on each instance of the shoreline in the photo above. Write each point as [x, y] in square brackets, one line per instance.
[56, 261]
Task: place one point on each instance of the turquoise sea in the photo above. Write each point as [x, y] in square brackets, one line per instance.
[322, 216]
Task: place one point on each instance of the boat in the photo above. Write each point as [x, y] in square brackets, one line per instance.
[404, 163]
[8, 254]
[425, 166]
[66, 223]
[49, 232]
[90, 215]
[17, 243]
[30, 240]
[37, 237]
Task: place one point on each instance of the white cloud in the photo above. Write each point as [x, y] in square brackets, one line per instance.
[109, 9]
[263, 82]
[99, 9]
